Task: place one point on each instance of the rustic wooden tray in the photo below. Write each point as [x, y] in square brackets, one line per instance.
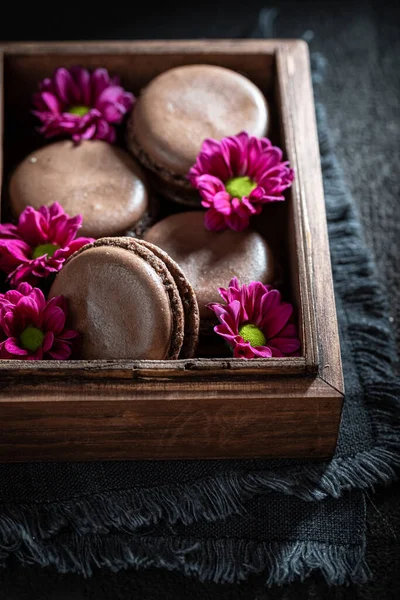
[198, 408]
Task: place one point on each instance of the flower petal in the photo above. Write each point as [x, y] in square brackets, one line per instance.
[214, 220]
[100, 81]
[11, 345]
[82, 78]
[51, 102]
[276, 319]
[222, 203]
[237, 222]
[33, 227]
[60, 351]
[286, 345]
[65, 87]
[48, 341]
[53, 319]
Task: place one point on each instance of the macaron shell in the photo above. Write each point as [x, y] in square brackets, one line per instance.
[210, 259]
[189, 301]
[182, 107]
[123, 303]
[95, 179]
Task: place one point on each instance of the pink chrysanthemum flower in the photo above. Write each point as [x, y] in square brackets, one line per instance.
[81, 105]
[255, 322]
[236, 176]
[39, 244]
[32, 328]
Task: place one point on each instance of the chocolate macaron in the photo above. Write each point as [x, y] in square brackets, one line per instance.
[181, 108]
[128, 301]
[210, 259]
[98, 180]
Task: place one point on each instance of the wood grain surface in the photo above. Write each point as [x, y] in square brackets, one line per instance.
[115, 420]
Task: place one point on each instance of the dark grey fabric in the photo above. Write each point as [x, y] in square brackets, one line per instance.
[161, 475]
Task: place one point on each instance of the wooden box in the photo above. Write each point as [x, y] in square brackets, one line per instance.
[198, 408]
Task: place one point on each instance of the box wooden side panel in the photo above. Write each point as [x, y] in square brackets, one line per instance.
[164, 421]
[318, 300]
[189, 369]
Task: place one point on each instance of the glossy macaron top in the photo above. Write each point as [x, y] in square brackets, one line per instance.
[123, 301]
[209, 259]
[93, 178]
[182, 107]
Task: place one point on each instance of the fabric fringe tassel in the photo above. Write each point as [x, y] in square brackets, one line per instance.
[219, 561]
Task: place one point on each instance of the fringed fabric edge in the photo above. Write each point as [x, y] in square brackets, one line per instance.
[216, 560]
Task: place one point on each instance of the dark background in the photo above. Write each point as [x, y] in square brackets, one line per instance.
[361, 44]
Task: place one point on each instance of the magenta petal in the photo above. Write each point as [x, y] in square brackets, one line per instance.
[100, 81]
[262, 352]
[286, 345]
[12, 254]
[236, 222]
[48, 341]
[29, 311]
[77, 244]
[89, 133]
[222, 203]
[10, 297]
[65, 86]
[11, 345]
[276, 352]
[235, 310]
[109, 95]
[289, 331]
[276, 319]
[51, 102]
[214, 220]
[32, 227]
[82, 79]
[269, 301]
[53, 211]
[8, 230]
[103, 130]
[53, 319]
[24, 289]
[61, 351]
[112, 113]
[127, 100]
[210, 146]
[10, 324]
[69, 334]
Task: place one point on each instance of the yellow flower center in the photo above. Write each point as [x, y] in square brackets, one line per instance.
[81, 110]
[31, 338]
[44, 249]
[252, 334]
[238, 187]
